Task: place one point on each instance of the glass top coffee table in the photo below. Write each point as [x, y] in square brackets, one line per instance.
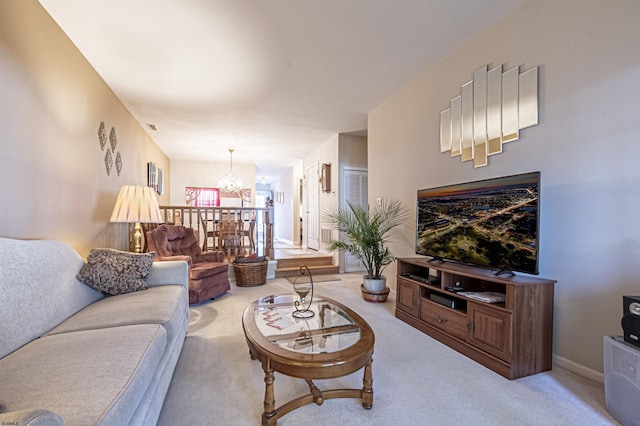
[335, 342]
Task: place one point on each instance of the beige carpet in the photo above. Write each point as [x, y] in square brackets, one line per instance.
[416, 380]
[316, 278]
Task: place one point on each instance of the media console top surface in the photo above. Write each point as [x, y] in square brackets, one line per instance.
[474, 271]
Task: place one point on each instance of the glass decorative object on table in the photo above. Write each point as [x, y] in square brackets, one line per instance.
[304, 289]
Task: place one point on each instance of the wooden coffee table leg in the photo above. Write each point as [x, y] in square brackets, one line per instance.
[367, 388]
[269, 416]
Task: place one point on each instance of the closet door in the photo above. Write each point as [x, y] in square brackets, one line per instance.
[313, 239]
[355, 191]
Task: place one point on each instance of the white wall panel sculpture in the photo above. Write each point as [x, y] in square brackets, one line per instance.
[491, 110]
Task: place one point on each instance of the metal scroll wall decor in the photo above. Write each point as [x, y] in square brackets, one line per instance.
[109, 156]
[490, 110]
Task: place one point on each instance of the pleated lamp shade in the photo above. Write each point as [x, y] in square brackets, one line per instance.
[136, 204]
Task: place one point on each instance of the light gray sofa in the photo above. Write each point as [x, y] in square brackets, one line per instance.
[71, 355]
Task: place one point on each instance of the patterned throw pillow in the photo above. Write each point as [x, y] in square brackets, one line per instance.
[115, 272]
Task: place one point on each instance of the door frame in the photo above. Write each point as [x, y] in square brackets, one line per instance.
[312, 218]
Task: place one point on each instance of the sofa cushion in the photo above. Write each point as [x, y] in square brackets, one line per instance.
[39, 289]
[116, 272]
[86, 377]
[165, 305]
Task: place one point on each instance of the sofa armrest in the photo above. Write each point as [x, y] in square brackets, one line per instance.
[31, 418]
[169, 272]
[212, 256]
[188, 259]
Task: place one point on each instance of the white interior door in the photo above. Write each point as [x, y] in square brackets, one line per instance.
[313, 221]
[356, 187]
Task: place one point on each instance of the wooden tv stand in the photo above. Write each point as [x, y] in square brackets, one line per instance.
[513, 338]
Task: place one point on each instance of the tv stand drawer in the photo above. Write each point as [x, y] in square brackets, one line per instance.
[445, 319]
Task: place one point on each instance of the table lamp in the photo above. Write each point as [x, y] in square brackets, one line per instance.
[136, 204]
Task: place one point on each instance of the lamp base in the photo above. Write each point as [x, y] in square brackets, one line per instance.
[137, 237]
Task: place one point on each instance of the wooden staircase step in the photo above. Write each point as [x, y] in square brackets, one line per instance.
[317, 264]
[292, 271]
[296, 262]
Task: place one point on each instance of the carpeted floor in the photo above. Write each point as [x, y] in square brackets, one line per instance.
[416, 380]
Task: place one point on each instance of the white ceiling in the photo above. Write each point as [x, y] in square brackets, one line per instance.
[272, 79]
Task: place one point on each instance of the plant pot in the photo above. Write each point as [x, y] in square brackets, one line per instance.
[374, 285]
[374, 296]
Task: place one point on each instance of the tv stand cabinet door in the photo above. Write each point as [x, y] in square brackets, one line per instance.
[407, 296]
[490, 330]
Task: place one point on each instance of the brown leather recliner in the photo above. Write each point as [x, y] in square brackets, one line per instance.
[208, 272]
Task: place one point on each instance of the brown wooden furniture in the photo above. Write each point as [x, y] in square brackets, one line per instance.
[229, 233]
[513, 338]
[334, 343]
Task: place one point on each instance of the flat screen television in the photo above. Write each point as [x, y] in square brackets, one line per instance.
[491, 223]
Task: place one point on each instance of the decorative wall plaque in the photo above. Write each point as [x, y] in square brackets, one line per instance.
[113, 139]
[102, 135]
[118, 163]
[108, 162]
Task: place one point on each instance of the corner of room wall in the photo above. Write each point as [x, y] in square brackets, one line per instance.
[325, 153]
[54, 103]
[588, 96]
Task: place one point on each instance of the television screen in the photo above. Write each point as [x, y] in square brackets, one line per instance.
[491, 223]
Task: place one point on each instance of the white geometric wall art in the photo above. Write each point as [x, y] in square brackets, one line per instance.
[456, 126]
[510, 119]
[445, 130]
[480, 117]
[494, 110]
[467, 121]
[490, 110]
[528, 98]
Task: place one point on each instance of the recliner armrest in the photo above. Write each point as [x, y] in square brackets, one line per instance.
[211, 256]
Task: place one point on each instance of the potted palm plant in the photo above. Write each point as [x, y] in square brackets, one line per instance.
[365, 236]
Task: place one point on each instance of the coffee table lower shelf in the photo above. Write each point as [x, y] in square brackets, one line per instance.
[271, 414]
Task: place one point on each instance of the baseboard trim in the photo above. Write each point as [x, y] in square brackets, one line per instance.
[574, 367]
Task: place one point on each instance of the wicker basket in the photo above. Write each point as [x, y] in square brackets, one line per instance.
[250, 274]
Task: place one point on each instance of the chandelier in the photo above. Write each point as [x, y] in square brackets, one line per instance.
[230, 183]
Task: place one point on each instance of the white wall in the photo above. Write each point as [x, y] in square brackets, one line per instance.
[586, 146]
[352, 152]
[53, 180]
[325, 153]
